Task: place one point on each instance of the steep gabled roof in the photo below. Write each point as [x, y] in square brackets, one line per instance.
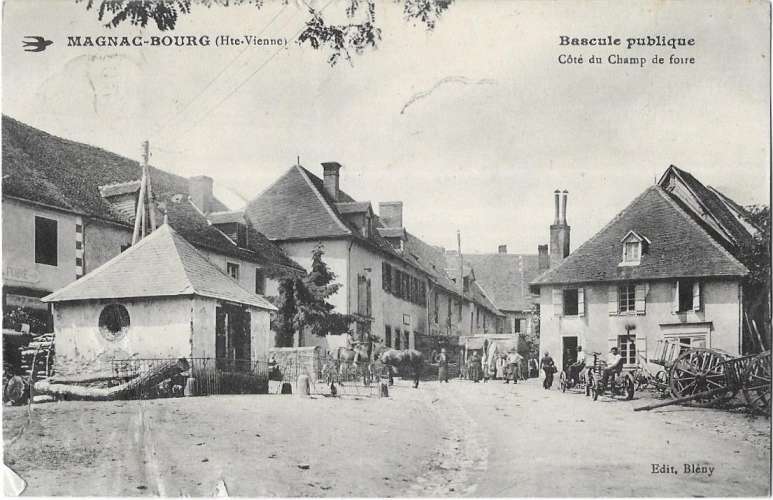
[294, 208]
[679, 247]
[506, 278]
[68, 175]
[712, 205]
[162, 264]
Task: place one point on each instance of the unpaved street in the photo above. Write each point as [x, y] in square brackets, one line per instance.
[456, 439]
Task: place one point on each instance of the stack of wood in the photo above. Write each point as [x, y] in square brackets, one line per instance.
[37, 358]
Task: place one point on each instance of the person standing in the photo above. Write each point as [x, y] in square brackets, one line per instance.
[549, 366]
[513, 360]
[474, 369]
[442, 372]
[501, 366]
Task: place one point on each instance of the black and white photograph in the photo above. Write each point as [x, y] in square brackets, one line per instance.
[386, 248]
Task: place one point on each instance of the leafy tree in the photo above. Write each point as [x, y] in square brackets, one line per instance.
[340, 39]
[302, 303]
[756, 257]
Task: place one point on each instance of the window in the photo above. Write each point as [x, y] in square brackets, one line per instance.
[631, 251]
[388, 336]
[571, 302]
[386, 277]
[397, 338]
[406, 340]
[232, 270]
[46, 241]
[626, 298]
[687, 296]
[113, 322]
[459, 312]
[363, 295]
[436, 306]
[626, 344]
[516, 325]
[260, 281]
[78, 245]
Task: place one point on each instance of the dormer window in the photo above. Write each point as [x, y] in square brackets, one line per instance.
[634, 246]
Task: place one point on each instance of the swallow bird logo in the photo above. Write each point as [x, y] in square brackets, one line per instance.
[36, 44]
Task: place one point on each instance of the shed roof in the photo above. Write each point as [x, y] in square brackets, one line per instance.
[162, 264]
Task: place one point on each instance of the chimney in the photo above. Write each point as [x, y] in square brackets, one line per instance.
[331, 178]
[563, 207]
[200, 192]
[502, 249]
[391, 213]
[544, 258]
[559, 234]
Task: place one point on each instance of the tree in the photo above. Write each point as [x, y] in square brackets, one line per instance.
[756, 257]
[360, 33]
[302, 303]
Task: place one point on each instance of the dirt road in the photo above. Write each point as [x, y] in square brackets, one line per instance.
[457, 439]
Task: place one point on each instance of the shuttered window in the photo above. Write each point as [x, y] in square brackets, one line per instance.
[687, 296]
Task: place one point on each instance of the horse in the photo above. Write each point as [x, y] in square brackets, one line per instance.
[357, 357]
[408, 358]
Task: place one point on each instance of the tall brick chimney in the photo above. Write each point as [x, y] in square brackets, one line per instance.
[559, 232]
[331, 178]
[544, 257]
[502, 249]
[391, 213]
[200, 192]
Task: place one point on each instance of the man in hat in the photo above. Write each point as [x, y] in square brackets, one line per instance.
[513, 362]
[549, 366]
[614, 364]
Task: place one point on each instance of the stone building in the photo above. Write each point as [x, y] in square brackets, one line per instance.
[663, 268]
[161, 298]
[69, 207]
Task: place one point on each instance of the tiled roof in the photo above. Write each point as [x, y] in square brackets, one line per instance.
[162, 264]
[506, 278]
[679, 247]
[712, 203]
[293, 208]
[297, 206]
[43, 168]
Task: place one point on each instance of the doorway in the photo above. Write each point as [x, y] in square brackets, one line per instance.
[232, 337]
[569, 351]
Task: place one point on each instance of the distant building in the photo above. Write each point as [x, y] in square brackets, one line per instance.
[68, 208]
[663, 268]
[392, 282]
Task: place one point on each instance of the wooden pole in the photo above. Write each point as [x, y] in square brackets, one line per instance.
[699, 395]
[140, 215]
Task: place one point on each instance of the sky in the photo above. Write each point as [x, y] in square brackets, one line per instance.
[472, 125]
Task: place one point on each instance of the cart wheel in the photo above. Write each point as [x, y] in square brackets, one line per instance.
[757, 384]
[562, 381]
[699, 370]
[629, 388]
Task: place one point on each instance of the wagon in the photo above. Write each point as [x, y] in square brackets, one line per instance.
[710, 376]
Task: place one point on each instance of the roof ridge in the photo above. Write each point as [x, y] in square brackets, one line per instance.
[687, 216]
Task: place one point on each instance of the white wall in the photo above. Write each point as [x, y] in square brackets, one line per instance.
[19, 267]
[246, 271]
[598, 330]
[159, 328]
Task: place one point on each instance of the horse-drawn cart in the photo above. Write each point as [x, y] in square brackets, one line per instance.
[710, 376]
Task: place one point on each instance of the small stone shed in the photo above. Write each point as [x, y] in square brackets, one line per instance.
[160, 298]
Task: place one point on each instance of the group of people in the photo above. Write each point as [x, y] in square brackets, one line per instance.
[503, 366]
[583, 360]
